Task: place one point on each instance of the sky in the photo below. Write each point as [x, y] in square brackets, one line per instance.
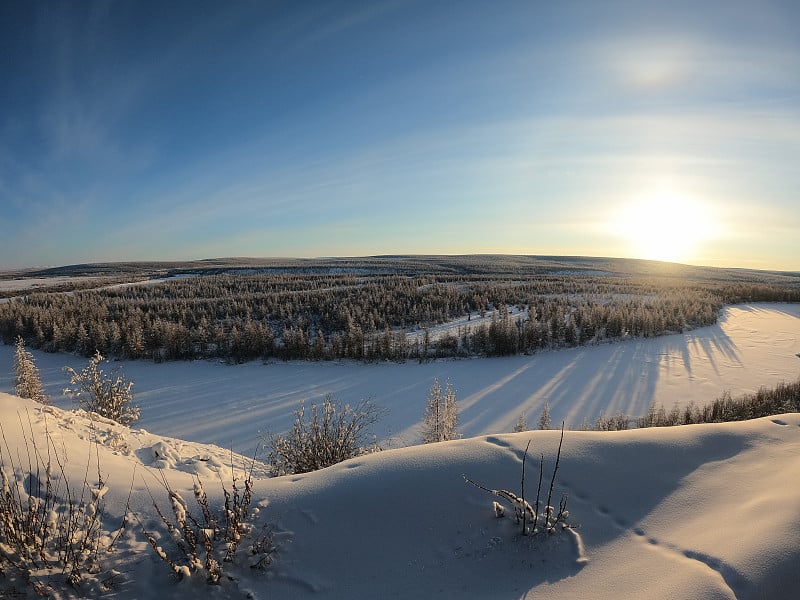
[138, 130]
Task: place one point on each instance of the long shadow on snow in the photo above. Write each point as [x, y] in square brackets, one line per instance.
[407, 515]
[616, 481]
[417, 521]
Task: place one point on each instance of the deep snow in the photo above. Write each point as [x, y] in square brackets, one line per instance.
[701, 511]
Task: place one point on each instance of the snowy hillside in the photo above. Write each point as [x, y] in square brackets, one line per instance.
[703, 511]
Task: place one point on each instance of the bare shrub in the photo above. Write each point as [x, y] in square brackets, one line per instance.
[331, 433]
[51, 531]
[541, 516]
[109, 396]
[659, 417]
[785, 397]
[203, 541]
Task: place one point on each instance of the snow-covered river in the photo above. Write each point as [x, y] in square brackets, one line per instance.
[750, 346]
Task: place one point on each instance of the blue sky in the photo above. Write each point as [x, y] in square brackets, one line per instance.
[134, 130]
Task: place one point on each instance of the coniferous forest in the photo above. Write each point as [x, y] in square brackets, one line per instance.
[380, 308]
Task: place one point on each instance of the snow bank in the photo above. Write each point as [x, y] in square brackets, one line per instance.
[702, 511]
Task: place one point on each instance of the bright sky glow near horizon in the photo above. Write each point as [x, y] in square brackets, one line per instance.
[140, 130]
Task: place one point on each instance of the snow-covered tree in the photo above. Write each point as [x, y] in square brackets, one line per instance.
[109, 396]
[441, 414]
[450, 413]
[27, 380]
[544, 418]
[522, 424]
[432, 419]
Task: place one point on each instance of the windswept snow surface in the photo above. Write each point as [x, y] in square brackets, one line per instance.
[231, 406]
[695, 512]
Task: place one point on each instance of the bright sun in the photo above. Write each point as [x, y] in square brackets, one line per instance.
[665, 226]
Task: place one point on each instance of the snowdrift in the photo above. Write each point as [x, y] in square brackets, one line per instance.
[702, 511]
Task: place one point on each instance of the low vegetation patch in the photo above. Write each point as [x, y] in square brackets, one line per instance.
[541, 516]
[784, 398]
[52, 539]
[326, 435]
[200, 542]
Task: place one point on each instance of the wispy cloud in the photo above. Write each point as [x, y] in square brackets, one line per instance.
[393, 124]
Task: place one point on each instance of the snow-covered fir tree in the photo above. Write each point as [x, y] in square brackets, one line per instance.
[432, 421]
[27, 380]
[450, 428]
[522, 424]
[441, 414]
[544, 418]
[109, 396]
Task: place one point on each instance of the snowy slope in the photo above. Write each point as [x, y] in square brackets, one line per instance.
[704, 511]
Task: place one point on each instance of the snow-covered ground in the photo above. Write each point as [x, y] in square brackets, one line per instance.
[695, 512]
[31, 283]
[703, 511]
[470, 323]
[231, 406]
[26, 284]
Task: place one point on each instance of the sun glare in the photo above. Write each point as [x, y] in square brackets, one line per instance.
[665, 226]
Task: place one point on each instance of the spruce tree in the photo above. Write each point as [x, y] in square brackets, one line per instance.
[432, 424]
[27, 380]
[544, 419]
[522, 424]
[441, 414]
[450, 424]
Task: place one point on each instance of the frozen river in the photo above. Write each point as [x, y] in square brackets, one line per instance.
[750, 346]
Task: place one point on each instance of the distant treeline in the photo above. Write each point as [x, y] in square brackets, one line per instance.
[368, 316]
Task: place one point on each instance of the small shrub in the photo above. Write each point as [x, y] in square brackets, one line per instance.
[109, 396]
[203, 542]
[659, 417]
[330, 434]
[785, 397]
[541, 516]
